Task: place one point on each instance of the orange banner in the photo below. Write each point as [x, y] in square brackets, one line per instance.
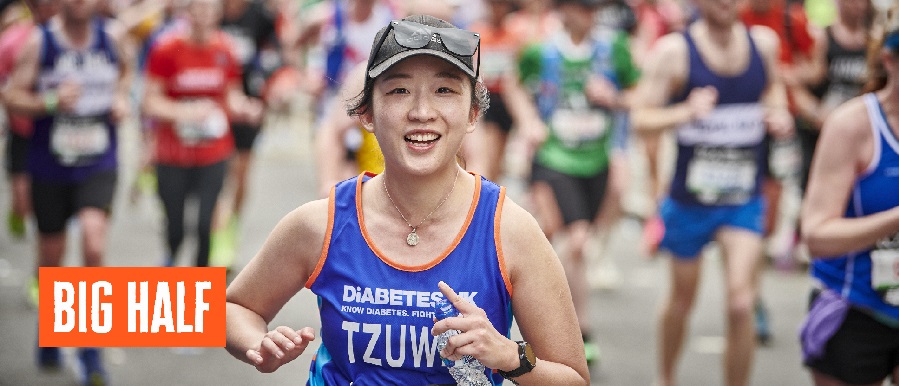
[131, 307]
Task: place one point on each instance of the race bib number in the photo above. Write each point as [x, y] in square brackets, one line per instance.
[79, 141]
[722, 176]
[885, 269]
[575, 127]
[215, 126]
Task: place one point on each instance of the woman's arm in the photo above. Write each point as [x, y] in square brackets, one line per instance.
[541, 303]
[278, 272]
[844, 152]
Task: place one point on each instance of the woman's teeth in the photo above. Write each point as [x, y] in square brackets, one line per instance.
[422, 137]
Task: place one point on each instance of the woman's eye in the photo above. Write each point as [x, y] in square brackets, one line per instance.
[444, 90]
[398, 90]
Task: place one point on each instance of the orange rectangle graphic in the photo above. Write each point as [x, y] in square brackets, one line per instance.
[131, 307]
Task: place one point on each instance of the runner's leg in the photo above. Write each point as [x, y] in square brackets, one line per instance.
[684, 277]
[742, 251]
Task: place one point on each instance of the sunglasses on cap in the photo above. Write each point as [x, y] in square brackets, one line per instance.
[412, 35]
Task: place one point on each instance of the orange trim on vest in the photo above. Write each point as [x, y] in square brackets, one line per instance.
[497, 217]
[327, 244]
[424, 267]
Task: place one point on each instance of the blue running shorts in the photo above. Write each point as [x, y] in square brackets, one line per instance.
[688, 228]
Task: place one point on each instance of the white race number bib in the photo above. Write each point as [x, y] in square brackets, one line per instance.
[79, 141]
[214, 127]
[722, 176]
[885, 269]
[574, 127]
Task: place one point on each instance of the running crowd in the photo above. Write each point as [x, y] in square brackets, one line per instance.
[729, 102]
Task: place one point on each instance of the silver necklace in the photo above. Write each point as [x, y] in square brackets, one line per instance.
[412, 238]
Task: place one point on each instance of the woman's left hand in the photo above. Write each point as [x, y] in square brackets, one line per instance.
[478, 339]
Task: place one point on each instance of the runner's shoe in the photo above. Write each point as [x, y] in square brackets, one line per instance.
[16, 226]
[223, 248]
[762, 323]
[92, 367]
[49, 358]
[33, 292]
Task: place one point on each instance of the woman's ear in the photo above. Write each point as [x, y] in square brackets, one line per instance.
[473, 115]
[366, 121]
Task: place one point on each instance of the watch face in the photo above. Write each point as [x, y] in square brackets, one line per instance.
[529, 354]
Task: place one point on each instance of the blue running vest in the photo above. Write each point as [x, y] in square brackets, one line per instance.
[377, 315]
[851, 275]
[720, 158]
[70, 147]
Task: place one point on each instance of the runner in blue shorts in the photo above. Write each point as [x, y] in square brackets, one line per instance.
[715, 85]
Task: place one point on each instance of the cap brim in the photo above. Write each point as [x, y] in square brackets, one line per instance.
[383, 66]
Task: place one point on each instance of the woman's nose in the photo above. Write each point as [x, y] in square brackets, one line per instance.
[422, 108]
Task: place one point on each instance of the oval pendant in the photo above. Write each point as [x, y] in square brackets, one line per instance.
[412, 239]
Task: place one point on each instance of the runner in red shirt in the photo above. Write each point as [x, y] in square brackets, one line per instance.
[193, 91]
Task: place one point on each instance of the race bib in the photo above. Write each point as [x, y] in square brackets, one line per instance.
[575, 127]
[214, 127]
[722, 176]
[885, 269]
[79, 141]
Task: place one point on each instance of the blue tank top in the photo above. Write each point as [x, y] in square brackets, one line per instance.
[855, 274]
[72, 146]
[720, 158]
[377, 315]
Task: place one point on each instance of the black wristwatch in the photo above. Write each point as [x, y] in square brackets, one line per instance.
[527, 359]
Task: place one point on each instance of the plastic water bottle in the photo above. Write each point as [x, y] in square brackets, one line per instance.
[467, 371]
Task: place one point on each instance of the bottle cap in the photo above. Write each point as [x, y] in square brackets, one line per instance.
[444, 309]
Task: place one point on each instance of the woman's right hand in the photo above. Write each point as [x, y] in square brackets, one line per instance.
[280, 346]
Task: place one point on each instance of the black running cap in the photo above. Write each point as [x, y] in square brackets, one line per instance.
[391, 52]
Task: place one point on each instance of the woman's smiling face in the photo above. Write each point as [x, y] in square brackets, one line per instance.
[421, 110]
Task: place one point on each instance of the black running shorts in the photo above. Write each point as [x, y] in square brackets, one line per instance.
[55, 202]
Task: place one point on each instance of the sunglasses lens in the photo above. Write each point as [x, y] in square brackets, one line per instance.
[459, 41]
[414, 35]
[411, 35]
